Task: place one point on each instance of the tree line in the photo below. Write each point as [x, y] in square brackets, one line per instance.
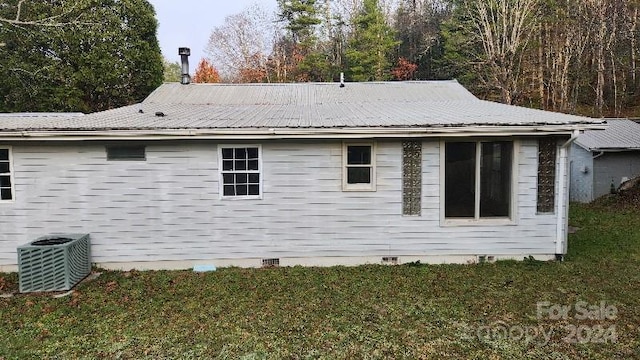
[574, 56]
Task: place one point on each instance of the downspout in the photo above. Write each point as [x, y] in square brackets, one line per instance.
[593, 185]
[561, 227]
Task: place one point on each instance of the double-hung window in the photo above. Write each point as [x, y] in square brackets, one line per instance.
[6, 183]
[240, 175]
[478, 179]
[358, 167]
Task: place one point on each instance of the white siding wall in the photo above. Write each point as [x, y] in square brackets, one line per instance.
[168, 207]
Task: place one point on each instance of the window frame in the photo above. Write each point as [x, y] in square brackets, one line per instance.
[11, 176]
[221, 172]
[371, 186]
[477, 220]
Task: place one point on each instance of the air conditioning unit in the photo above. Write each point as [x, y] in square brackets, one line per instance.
[54, 263]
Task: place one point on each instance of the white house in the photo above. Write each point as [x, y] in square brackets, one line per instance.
[602, 159]
[311, 174]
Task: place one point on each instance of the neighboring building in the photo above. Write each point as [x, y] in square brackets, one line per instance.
[311, 174]
[603, 159]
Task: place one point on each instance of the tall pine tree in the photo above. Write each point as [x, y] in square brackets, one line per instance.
[372, 45]
[301, 46]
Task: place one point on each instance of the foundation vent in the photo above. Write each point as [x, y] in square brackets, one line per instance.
[390, 260]
[275, 262]
[486, 258]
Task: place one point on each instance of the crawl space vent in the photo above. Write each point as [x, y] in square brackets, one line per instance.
[391, 260]
[54, 263]
[486, 258]
[270, 262]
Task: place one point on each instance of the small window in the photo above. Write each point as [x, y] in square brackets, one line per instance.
[240, 172]
[359, 167]
[478, 179]
[546, 175]
[126, 152]
[6, 176]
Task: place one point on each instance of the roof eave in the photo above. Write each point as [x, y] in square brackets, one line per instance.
[614, 149]
[291, 133]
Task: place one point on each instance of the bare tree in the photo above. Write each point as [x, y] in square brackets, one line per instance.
[418, 26]
[242, 43]
[503, 28]
[563, 35]
[346, 10]
[587, 56]
[632, 22]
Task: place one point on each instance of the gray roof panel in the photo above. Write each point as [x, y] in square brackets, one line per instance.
[303, 105]
[620, 134]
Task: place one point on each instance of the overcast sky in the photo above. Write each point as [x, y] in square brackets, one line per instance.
[189, 23]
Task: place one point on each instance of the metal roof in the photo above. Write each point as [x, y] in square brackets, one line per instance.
[620, 134]
[30, 115]
[382, 105]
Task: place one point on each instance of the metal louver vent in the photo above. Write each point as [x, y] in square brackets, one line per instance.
[270, 262]
[54, 263]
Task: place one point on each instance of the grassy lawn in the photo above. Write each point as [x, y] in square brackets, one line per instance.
[374, 312]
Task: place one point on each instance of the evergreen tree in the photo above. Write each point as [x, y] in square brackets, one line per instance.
[83, 55]
[301, 17]
[301, 47]
[172, 71]
[371, 46]
[458, 55]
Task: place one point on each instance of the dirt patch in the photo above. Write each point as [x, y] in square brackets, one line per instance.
[627, 196]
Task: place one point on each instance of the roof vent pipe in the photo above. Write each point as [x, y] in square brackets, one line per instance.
[184, 53]
[341, 79]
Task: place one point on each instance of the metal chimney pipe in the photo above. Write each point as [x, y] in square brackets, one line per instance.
[184, 53]
[341, 79]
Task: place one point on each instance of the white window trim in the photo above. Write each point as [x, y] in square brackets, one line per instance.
[221, 172]
[478, 221]
[358, 187]
[11, 176]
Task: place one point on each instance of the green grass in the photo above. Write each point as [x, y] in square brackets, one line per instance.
[368, 312]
